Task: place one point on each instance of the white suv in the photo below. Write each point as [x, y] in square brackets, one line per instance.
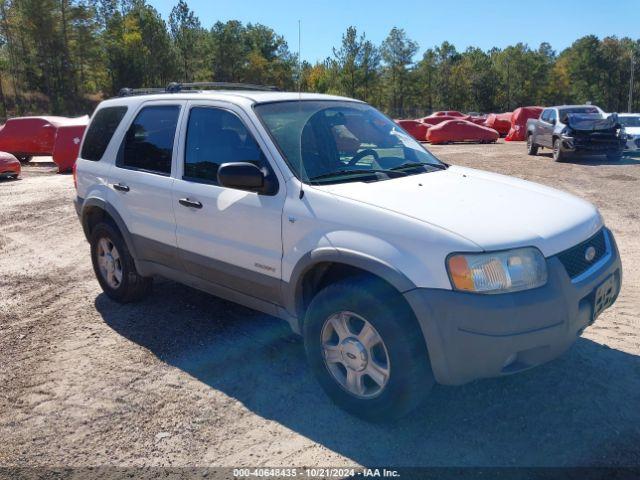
[398, 270]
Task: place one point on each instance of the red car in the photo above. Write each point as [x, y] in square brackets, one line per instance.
[415, 128]
[501, 122]
[519, 119]
[461, 131]
[9, 166]
[448, 113]
[439, 119]
[59, 137]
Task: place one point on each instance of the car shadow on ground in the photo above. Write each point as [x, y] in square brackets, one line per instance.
[581, 409]
[596, 160]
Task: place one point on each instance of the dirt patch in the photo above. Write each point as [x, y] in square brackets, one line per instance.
[184, 379]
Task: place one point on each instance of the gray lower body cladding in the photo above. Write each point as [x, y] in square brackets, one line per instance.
[471, 336]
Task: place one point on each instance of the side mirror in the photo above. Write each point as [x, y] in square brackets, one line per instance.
[243, 176]
[552, 121]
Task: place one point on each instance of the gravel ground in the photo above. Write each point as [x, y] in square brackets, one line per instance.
[186, 379]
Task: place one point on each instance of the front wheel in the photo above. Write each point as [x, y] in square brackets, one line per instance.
[558, 154]
[532, 148]
[366, 350]
[114, 266]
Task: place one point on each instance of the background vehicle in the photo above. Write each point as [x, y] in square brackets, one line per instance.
[397, 269]
[9, 166]
[519, 118]
[461, 131]
[631, 124]
[576, 129]
[500, 122]
[59, 137]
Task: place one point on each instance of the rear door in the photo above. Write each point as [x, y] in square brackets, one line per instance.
[141, 181]
[227, 236]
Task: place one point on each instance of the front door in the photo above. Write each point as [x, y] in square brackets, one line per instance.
[226, 236]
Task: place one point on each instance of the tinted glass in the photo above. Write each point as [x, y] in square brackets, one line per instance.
[103, 125]
[148, 144]
[320, 138]
[588, 110]
[545, 115]
[214, 137]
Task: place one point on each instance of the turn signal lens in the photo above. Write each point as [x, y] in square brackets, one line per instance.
[498, 272]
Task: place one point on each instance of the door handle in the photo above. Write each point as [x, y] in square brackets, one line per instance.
[121, 187]
[185, 202]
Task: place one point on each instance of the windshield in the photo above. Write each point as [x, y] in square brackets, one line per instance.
[332, 141]
[630, 121]
[583, 110]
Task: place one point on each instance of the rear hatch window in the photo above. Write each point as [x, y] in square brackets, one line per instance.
[103, 125]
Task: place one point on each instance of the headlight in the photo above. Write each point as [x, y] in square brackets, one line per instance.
[498, 272]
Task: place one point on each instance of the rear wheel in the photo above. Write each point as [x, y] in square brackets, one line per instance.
[558, 155]
[532, 148]
[366, 349]
[114, 266]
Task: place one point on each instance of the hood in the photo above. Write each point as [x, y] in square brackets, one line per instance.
[493, 211]
[582, 121]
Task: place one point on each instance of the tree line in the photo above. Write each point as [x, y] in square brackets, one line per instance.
[63, 56]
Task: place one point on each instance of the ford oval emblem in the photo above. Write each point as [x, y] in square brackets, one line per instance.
[590, 253]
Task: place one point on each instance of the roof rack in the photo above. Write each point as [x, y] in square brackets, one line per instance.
[175, 87]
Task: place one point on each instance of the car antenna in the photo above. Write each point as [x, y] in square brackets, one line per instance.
[299, 109]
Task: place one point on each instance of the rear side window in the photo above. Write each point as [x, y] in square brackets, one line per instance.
[103, 125]
[148, 144]
[214, 137]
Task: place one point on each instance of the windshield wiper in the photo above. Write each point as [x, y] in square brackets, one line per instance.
[345, 172]
[419, 164]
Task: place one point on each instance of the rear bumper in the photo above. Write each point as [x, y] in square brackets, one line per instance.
[77, 203]
[472, 336]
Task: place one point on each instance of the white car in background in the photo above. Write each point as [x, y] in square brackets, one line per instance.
[631, 123]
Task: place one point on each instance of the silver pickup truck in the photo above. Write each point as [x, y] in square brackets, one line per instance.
[576, 129]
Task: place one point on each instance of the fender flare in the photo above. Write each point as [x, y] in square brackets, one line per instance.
[292, 291]
[112, 212]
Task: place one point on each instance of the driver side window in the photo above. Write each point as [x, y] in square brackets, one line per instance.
[216, 136]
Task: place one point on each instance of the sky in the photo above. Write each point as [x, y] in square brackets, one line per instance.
[480, 23]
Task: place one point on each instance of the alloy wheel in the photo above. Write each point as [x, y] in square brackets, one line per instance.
[109, 262]
[355, 354]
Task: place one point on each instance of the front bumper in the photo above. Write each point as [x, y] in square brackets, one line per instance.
[472, 336]
[588, 146]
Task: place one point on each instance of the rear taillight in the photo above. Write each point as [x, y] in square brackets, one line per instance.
[74, 169]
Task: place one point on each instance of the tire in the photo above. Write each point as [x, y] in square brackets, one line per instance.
[558, 155]
[128, 285]
[24, 158]
[532, 148]
[402, 352]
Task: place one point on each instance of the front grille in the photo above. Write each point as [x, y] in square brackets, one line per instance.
[574, 260]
